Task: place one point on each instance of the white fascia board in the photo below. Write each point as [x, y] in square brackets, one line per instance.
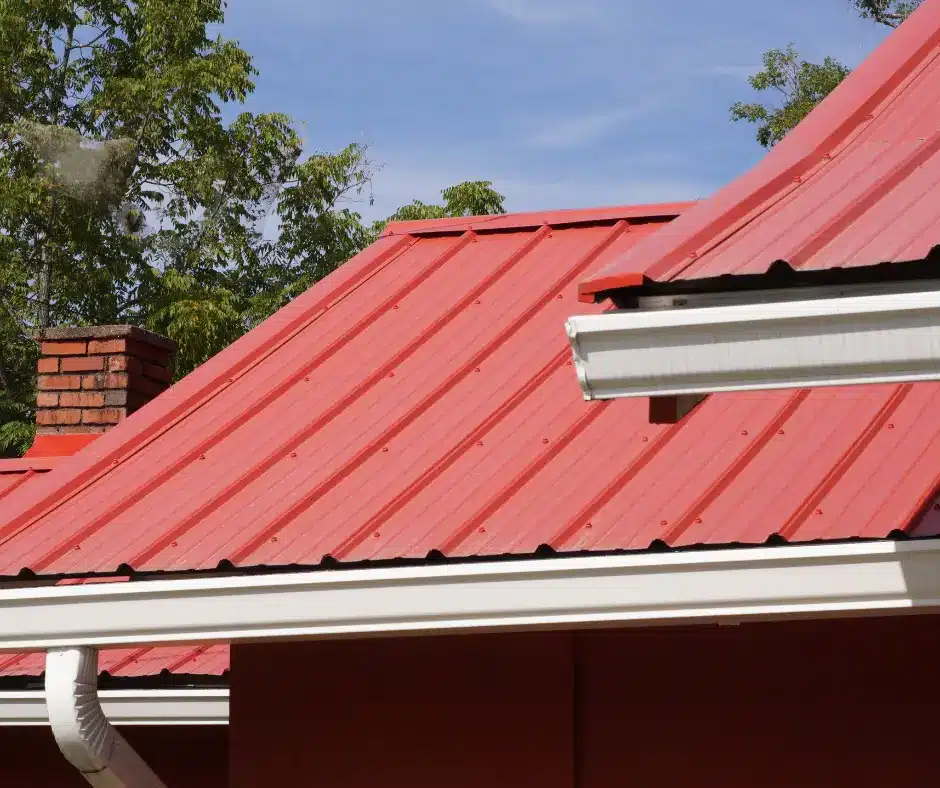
[127, 707]
[724, 585]
[893, 338]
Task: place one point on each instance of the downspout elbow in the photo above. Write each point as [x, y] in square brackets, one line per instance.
[84, 735]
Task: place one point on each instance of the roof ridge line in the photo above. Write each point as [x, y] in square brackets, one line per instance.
[531, 219]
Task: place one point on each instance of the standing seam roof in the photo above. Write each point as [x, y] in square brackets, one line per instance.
[853, 185]
[421, 401]
[146, 662]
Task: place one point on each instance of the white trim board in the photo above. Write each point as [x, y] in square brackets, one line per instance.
[887, 338]
[127, 707]
[724, 585]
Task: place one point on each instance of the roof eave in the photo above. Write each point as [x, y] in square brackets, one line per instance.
[161, 707]
[716, 586]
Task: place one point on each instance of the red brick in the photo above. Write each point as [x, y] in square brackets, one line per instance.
[59, 382]
[124, 364]
[47, 400]
[59, 417]
[81, 429]
[102, 416]
[159, 373]
[84, 399]
[107, 346]
[67, 348]
[48, 365]
[116, 380]
[83, 364]
[115, 398]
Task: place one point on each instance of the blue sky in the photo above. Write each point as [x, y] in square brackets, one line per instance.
[562, 103]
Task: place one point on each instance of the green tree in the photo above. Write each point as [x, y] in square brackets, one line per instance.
[470, 198]
[886, 12]
[125, 196]
[800, 85]
[132, 190]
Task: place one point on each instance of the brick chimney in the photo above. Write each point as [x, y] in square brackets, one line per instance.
[90, 379]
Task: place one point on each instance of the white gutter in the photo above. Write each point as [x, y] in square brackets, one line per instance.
[86, 737]
[124, 708]
[724, 585]
[890, 338]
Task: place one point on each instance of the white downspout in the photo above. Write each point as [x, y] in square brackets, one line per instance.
[89, 742]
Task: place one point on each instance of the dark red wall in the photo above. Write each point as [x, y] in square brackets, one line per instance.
[809, 704]
[421, 713]
[184, 757]
[813, 704]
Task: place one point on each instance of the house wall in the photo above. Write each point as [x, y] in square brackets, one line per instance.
[421, 713]
[813, 704]
[184, 757]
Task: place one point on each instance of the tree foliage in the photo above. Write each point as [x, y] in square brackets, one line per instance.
[134, 189]
[470, 198]
[800, 85]
[886, 12]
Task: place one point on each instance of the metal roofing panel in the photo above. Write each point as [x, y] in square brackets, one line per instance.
[853, 185]
[134, 663]
[17, 473]
[124, 663]
[421, 400]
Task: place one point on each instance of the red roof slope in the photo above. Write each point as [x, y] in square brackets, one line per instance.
[421, 399]
[855, 184]
[46, 453]
[119, 663]
[134, 663]
[18, 473]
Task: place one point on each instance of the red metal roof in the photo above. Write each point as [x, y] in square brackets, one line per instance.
[134, 663]
[421, 399]
[60, 445]
[46, 453]
[18, 473]
[855, 184]
[119, 663]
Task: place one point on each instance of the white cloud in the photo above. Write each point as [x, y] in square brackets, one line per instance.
[579, 131]
[545, 12]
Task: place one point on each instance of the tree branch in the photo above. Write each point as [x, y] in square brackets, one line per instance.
[4, 375]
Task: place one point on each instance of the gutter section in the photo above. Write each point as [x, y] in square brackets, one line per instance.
[84, 735]
[198, 707]
[648, 589]
[875, 339]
